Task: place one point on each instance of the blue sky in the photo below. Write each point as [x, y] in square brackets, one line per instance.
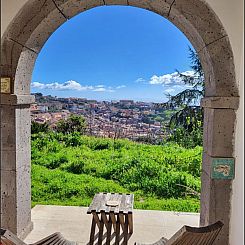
[113, 52]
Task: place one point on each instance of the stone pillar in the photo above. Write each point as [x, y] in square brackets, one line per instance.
[219, 126]
[16, 163]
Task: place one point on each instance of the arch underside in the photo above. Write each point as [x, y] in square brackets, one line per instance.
[38, 19]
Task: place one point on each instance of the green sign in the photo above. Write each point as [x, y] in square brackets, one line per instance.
[222, 168]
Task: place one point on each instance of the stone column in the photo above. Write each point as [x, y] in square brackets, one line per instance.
[16, 163]
[219, 126]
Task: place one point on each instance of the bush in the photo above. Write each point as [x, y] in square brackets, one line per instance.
[72, 124]
[159, 171]
[39, 127]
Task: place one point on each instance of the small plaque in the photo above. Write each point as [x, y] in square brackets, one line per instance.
[5, 85]
[222, 168]
[112, 203]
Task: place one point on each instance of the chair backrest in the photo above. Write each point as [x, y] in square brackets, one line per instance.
[8, 238]
[196, 236]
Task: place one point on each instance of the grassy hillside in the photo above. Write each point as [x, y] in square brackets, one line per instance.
[70, 169]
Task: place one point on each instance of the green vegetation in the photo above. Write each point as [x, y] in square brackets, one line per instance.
[74, 123]
[186, 125]
[39, 127]
[68, 169]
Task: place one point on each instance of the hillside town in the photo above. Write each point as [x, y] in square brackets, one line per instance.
[114, 119]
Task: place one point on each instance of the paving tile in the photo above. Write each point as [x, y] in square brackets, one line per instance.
[74, 223]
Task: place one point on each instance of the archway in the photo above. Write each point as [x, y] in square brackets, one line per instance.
[21, 44]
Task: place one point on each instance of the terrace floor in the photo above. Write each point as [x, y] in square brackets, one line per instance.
[74, 223]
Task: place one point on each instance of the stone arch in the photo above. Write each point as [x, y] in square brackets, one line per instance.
[25, 37]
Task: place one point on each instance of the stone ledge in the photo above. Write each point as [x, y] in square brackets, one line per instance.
[12, 99]
[220, 102]
[26, 231]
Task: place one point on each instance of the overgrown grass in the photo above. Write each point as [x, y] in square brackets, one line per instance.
[70, 169]
[56, 187]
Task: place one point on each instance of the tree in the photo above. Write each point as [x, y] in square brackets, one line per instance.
[39, 127]
[72, 124]
[187, 122]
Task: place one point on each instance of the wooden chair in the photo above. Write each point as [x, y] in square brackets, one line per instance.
[192, 236]
[8, 238]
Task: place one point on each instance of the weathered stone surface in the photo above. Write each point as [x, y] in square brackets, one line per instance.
[71, 8]
[218, 66]
[8, 160]
[219, 132]
[7, 113]
[23, 131]
[15, 166]
[24, 72]
[220, 102]
[213, 209]
[8, 138]
[12, 99]
[201, 16]
[15, 200]
[33, 13]
[44, 30]
[8, 200]
[215, 200]
[160, 7]
[187, 28]
[10, 53]
[116, 2]
[23, 196]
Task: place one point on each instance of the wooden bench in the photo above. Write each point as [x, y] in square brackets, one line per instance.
[111, 210]
[188, 235]
[8, 238]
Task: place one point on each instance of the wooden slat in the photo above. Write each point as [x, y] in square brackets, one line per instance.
[108, 237]
[102, 203]
[117, 240]
[193, 236]
[48, 240]
[131, 203]
[112, 197]
[96, 218]
[13, 238]
[116, 214]
[95, 203]
[6, 242]
[121, 219]
[92, 232]
[125, 230]
[130, 223]
[117, 198]
[123, 204]
[104, 218]
[113, 219]
[100, 238]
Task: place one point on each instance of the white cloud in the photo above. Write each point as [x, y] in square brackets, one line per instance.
[169, 90]
[169, 79]
[69, 85]
[177, 86]
[73, 85]
[140, 80]
[99, 89]
[103, 90]
[120, 86]
[38, 85]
